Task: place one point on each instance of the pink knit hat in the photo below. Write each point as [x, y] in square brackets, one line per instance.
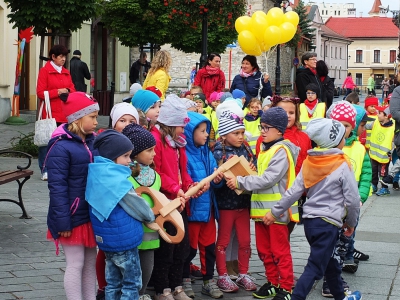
[214, 97]
[344, 112]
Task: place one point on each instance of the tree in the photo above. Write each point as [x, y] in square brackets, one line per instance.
[303, 29]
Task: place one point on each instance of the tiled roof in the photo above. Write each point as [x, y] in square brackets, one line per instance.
[375, 7]
[326, 31]
[368, 27]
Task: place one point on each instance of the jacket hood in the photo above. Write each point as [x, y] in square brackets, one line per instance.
[294, 150]
[62, 132]
[195, 120]
[304, 70]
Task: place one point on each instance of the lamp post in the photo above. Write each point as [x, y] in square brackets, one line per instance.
[204, 32]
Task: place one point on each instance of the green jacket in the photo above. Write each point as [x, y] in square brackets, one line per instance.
[371, 83]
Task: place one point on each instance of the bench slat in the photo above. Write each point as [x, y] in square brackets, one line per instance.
[8, 176]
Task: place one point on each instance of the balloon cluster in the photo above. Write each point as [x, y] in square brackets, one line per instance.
[262, 31]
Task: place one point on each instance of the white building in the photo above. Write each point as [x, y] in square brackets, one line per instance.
[339, 10]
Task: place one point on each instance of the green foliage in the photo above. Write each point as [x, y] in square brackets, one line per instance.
[59, 16]
[303, 29]
[24, 143]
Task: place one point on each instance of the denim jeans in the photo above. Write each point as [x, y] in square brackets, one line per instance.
[42, 152]
[123, 275]
[394, 159]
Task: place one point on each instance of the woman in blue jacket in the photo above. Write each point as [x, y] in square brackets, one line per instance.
[251, 81]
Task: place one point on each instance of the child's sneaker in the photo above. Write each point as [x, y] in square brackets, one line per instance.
[283, 295]
[187, 287]
[374, 188]
[383, 192]
[345, 285]
[266, 291]
[246, 282]
[226, 284]
[396, 186]
[354, 296]
[145, 297]
[360, 256]
[386, 180]
[195, 272]
[211, 289]
[326, 292]
[350, 266]
[166, 295]
[179, 294]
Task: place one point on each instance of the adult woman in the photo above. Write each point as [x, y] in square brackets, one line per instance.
[251, 81]
[328, 87]
[158, 74]
[348, 84]
[55, 79]
[210, 78]
[385, 88]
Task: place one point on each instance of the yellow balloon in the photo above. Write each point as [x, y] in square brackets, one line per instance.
[287, 32]
[259, 13]
[264, 46]
[248, 43]
[258, 26]
[272, 35]
[242, 23]
[292, 17]
[275, 16]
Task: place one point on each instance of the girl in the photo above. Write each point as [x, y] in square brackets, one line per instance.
[148, 102]
[252, 120]
[158, 74]
[123, 114]
[233, 208]
[68, 218]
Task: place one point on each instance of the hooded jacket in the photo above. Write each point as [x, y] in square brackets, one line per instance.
[304, 76]
[201, 163]
[210, 83]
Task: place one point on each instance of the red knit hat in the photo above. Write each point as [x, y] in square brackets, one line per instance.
[78, 105]
[384, 109]
[344, 112]
[371, 101]
[155, 90]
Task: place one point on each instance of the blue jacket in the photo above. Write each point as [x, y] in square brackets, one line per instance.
[252, 86]
[67, 166]
[201, 163]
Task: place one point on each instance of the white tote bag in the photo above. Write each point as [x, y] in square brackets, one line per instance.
[44, 127]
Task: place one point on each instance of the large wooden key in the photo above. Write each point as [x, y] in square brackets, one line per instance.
[165, 211]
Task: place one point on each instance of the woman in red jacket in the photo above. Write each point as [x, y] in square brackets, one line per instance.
[348, 84]
[210, 78]
[55, 79]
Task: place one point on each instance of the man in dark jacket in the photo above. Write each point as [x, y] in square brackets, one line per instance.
[79, 71]
[141, 66]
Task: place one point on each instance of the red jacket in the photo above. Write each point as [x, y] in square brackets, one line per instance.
[297, 137]
[210, 83]
[50, 80]
[166, 162]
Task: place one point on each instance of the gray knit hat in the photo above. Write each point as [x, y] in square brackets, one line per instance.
[277, 117]
[229, 122]
[326, 133]
[173, 112]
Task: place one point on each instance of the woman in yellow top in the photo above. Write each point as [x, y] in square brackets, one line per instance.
[158, 74]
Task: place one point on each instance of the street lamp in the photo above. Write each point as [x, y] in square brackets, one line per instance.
[204, 32]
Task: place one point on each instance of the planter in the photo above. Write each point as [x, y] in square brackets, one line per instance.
[5, 109]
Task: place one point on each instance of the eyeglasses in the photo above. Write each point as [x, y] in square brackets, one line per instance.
[311, 93]
[313, 59]
[265, 128]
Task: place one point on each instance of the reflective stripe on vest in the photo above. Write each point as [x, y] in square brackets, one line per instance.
[318, 113]
[381, 142]
[263, 200]
[368, 136]
[356, 153]
[252, 127]
[214, 124]
[150, 237]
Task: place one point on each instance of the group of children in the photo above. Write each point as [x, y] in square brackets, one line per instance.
[173, 145]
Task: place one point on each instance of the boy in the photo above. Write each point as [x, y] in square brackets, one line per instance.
[311, 108]
[331, 188]
[353, 98]
[116, 213]
[239, 94]
[370, 106]
[382, 133]
[251, 122]
[276, 163]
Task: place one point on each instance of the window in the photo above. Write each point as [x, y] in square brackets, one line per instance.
[359, 79]
[338, 13]
[359, 56]
[335, 12]
[340, 52]
[332, 52]
[335, 52]
[340, 72]
[377, 56]
[322, 12]
[392, 56]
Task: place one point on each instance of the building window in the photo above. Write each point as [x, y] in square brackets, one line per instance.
[359, 56]
[392, 56]
[359, 79]
[335, 52]
[335, 12]
[340, 52]
[332, 52]
[338, 13]
[326, 51]
[322, 12]
[340, 72]
[377, 56]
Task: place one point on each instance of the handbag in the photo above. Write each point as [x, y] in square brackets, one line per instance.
[44, 127]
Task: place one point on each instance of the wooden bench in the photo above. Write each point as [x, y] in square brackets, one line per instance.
[17, 175]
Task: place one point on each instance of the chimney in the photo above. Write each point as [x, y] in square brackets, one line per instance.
[360, 14]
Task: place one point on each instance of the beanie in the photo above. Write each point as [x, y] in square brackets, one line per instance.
[139, 137]
[155, 90]
[230, 106]
[121, 109]
[238, 101]
[371, 101]
[225, 95]
[215, 96]
[134, 88]
[343, 111]
[144, 100]
[384, 109]
[229, 122]
[111, 144]
[189, 103]
[276, 117]
[313, 87]
[326, 133]
[267, 101]
[173, 112]
[200, 97]
[77, 52]
[78, 105]
[238, 94]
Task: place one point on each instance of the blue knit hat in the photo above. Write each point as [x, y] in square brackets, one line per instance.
[111, 144]
[139, 137]
[277, 117]
[238, 94]
[144, 100]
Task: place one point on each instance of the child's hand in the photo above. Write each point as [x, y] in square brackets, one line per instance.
[268, 219]
[252, 166]
[182, 194]
[183, 203]
[65, 233]
[231, 182]
[202, 190]
[219, 177]
[348, 231]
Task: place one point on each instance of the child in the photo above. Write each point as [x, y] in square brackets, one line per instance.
[116, 212]
[123, 114]
[233, 209]
[370, 106]
[215, 100]
[353, 98]
[331, 192]
[266, 103]
[171, 162]
[312, 107]
[239, 94]
[276, 174]
[252, 120]
[203, 211]
[68, 218]
[202, 107]
[148, 102]
[382, 133]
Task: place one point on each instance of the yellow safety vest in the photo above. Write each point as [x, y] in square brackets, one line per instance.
[356, 153]
[252, 127]
[319, 112]
[368, 136]
[207, 112]
[381, 142]
[215, 124]
[263, 200]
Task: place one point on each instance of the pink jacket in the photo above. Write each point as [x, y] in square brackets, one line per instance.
[349, 83]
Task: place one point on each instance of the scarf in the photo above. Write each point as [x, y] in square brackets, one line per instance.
[212, 71]
[57, 68]
[245, 75]
[178, 142]
[314, 71]
[147, 175]
[311, 106]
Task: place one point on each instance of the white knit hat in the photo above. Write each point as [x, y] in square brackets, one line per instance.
[229, 122]
[173, 112]
[121, 109]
